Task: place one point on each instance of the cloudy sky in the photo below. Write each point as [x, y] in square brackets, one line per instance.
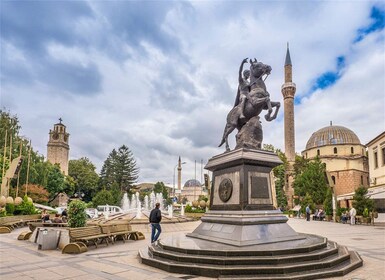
[161, 76]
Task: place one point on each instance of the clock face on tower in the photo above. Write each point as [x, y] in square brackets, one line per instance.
[55, 136]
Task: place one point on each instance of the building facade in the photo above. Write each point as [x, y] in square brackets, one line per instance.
[376, 157]
[58, 146]
[345, 158]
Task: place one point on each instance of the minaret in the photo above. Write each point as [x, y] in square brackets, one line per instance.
[57, 147]
[179, 174]
[288, 92]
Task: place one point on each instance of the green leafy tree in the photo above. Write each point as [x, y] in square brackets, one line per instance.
[120, 168]
[307, 200]
[84, 176]
[280, 176]
[102, 198]
[159, 187]
[361, 201]
[77, 216]
[328, 202]
[311, 180]
[56, 181]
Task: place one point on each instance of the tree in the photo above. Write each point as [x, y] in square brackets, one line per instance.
[361, 201]
[84, 176]
[328, 202]
[55, 182]
[120, 168]
[280, 176]
[311, 180]
[102, 198]
[159, 187]
[36, 192]
[307, 200]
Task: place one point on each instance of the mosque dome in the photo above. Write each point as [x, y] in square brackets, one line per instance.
[332, 135]
[192, 183]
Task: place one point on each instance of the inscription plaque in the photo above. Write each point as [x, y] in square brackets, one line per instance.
[259, 187]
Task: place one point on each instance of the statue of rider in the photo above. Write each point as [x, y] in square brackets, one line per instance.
[243, 88]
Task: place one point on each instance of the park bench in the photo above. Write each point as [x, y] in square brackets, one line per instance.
[119, 232]
[7, 224]
[90, 234]
[33, 225]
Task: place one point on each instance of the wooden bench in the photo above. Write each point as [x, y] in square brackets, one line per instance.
[88, 234]
[7, 224]
[33, 225]
[118, 231]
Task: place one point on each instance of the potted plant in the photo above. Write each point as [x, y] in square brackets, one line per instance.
[366, 219]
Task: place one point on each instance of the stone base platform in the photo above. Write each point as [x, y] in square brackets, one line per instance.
[311, 257]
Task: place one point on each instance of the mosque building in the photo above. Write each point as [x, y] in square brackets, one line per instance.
[192, 189]
[345, 158]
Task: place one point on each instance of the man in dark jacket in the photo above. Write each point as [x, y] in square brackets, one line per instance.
[155, 218]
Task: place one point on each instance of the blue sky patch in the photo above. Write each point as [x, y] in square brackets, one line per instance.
[377, 22]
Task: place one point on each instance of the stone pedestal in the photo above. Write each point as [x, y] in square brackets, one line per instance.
[242, 211]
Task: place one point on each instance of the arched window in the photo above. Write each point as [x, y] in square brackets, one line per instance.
[335, 150]
[334, 180]
[351, 150]
[362, 180]
[318, 152]
[306, 155]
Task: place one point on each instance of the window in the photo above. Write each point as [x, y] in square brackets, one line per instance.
[318, 152]
[306, 155]
[362, 180]
[351, 150]
[335, 150]
[375, 159]
[383, 155]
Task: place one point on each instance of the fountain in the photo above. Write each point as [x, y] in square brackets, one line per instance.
[146, 205]
[125, 203]
[170, 211]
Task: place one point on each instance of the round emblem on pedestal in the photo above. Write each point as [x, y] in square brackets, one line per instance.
[225, 189]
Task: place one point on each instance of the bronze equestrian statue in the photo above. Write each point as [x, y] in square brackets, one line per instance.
[252, 98]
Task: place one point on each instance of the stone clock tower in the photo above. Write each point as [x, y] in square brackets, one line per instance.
[57, 147]
[288, 92]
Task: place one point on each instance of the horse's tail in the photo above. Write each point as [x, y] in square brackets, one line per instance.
[226, 132]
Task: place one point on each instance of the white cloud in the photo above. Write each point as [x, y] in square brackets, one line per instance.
[164, 102]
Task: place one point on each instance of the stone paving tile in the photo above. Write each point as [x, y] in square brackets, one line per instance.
[67, 271]
[103, 267]
[120, 261]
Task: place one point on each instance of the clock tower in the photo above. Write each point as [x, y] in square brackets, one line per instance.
[57, 147]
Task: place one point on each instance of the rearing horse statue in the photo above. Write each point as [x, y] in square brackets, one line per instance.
[257, 99]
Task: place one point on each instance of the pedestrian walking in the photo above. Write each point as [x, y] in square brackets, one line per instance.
[352, 214]
[307, 213]
[155, 218]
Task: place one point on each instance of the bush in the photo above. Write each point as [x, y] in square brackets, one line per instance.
[3, 212]
[25, 208]
[10, 208]
[77, 214]
[190, 209]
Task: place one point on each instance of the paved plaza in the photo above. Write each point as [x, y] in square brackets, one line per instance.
[22, 260]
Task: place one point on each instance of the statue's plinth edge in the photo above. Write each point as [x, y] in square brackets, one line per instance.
[245, 228]
[243, 156]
